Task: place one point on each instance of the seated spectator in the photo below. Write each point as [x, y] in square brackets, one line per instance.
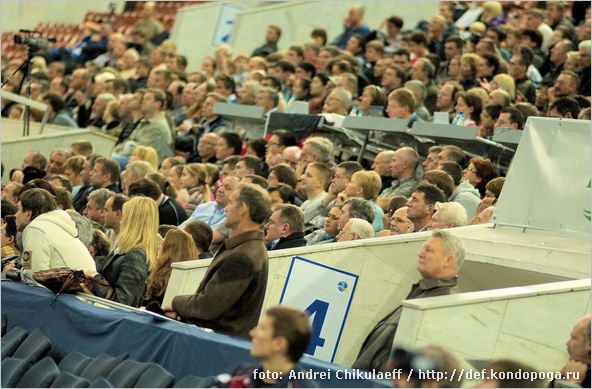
[451, 153]
[510, 118]
[279, 141]
[421, 205]
[355, 207]
[194, 179]
[399, 223]
[127, 267]
[336, 191]
[313, 182]
[154, 130]
[285, 228]
[439, 262]
[489, 116]
[229, 144]
[494, 187]
[170, 212]
[419, 92]
[58, 114]
[479, 172]
[470, 104]
[482, 217]
[213, 212]
[403, 168]
[72, 170]
[290, 330]
[272, 36]
[49, 236]
[338, 102]
[145, 153]
[446, 98]
[247, 165]
[366, 184]
[355, 229]
[577, 368]
[177, 246]
[409, 362]
[564, 107]
[401, 105]
[329, 231]
[99, 245]
[464, 193]
[448, 215]
[280, 194]
[202, 235]
[9, 231]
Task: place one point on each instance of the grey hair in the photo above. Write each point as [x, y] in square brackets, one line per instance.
[84, 227]
[140, 169]
[452, 213]
[321, 148]
[255, 87]
[61, 152]
[417, 88]
[360, 208]
[100, 196]
[361, 228]
[343, 96]
[452, 245]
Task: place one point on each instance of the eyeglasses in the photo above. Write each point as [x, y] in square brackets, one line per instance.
[273, 144]
[472, 170]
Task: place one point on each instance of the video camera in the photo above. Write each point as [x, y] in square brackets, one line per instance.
[33, 42]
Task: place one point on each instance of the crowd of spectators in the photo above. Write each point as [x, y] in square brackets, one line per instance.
[181, 183]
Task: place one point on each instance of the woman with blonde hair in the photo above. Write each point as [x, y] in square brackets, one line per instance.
[174, 179]
[127, 267]
[195, 179]
[145, 153]
[504, 82]
[493, 14]
[177, 246]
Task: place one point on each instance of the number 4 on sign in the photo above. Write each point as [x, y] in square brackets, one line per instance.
[318, 311]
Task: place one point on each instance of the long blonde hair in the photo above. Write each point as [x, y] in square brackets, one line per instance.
[139, 228]
[148, 154]
[177, 246]
[199, 171]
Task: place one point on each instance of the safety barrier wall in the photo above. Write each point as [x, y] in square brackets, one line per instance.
[530, 323]
[14, 146]
[386, 270]
[297, 20]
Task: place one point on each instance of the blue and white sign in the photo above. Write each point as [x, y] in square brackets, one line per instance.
[225, 25]
[326, 294]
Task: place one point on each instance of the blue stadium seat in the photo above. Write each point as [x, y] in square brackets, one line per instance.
[12, 340]
[126, 374]
[13, 370]
[191, 381]
[68, 380]
[155, 376]
[101, 382]
[40, 375]
[74, 363]
[36, 346]
[102, 366]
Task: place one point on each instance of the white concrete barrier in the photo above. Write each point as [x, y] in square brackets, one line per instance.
[15, 148]
[529, 323]
[386, 270]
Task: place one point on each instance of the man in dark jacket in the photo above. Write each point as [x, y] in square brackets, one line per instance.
[230, 297]
[286, 226]
[440, 259]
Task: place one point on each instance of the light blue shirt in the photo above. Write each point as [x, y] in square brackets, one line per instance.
[208, 213]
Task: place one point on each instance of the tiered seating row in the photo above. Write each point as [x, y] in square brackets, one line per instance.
[26, 364]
